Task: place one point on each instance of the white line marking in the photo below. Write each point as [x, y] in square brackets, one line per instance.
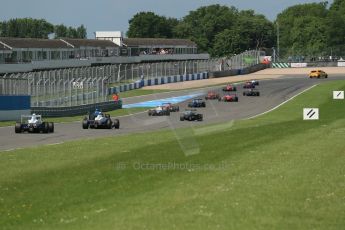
[58, 143]
[276, 107]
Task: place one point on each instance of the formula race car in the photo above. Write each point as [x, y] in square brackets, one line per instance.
[317, 74]
[191, 115]
[229, 87]
[254, 82]
[229, 98]
[249, 85]
[159, 111]
[251, 92]
[212, 96]
[33, 124]
[171, 107]
[198, 102]
[98, 120]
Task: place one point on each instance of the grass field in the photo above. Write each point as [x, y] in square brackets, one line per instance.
[272, 172]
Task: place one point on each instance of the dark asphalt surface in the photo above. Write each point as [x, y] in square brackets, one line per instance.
[273, 92]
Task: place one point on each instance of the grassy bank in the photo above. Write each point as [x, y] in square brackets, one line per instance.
[272, 172]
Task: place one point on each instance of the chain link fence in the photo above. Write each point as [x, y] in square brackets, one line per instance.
[89, 85]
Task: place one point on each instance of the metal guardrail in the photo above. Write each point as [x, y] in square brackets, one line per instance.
[234, 72]
[89, 85]
[76, 110]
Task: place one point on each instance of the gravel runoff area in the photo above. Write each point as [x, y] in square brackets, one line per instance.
[263, 74]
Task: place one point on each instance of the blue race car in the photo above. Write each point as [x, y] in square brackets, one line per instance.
[98, 120]
[196, 103]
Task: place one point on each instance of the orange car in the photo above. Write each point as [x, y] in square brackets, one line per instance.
[318, 74]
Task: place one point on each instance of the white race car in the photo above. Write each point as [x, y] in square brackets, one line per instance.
[33, 124]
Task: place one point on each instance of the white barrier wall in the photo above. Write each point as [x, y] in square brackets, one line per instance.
[298, 65]
[341, 64]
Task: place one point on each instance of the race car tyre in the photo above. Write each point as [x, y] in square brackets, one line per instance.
[182, 118]
[109, 124]
[116, 124]
[200, 118]
[51, 127]
[190, 118]
[203, 104]
[177, 109]
[150, 113]
[95, 125]
[326, 76]
[244, 94]
[168, 113]
[258, 94]
[85, 124]
[45, 127]
[18, 128]
[236, 99]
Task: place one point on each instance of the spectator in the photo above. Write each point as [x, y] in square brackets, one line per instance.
[115, 97]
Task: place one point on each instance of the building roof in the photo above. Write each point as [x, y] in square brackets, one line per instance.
[157, 42]
[34, 43]
[77, 43]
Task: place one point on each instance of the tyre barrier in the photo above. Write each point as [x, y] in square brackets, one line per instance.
[76, 110]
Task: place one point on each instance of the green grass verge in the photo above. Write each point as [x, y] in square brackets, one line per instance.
[118, 112]
[272, 172]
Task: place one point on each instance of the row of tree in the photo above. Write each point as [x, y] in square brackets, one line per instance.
[218, 30]
[304, 30]
[313, 30]
[38, 28]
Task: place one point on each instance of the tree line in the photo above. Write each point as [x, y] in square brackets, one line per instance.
[312, 29]
[38, 28]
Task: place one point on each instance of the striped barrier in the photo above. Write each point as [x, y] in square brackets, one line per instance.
[281, 65]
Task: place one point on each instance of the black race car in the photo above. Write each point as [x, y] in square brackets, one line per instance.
[191, 115]
[251, 92]
[159, 111]
[100, 121]
[198, 102]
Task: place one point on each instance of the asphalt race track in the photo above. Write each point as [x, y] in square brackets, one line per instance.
[273, 92]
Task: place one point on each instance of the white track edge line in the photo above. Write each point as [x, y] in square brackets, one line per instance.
[276, 107]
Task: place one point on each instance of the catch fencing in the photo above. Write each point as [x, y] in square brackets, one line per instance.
[89, 85]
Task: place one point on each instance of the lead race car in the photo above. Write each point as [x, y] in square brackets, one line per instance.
[255, 82]
[159, 111]
[33, 124]
[99, 120]
[229, 98]
[191, 115]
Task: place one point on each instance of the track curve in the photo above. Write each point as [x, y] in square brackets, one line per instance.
[273, 92]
